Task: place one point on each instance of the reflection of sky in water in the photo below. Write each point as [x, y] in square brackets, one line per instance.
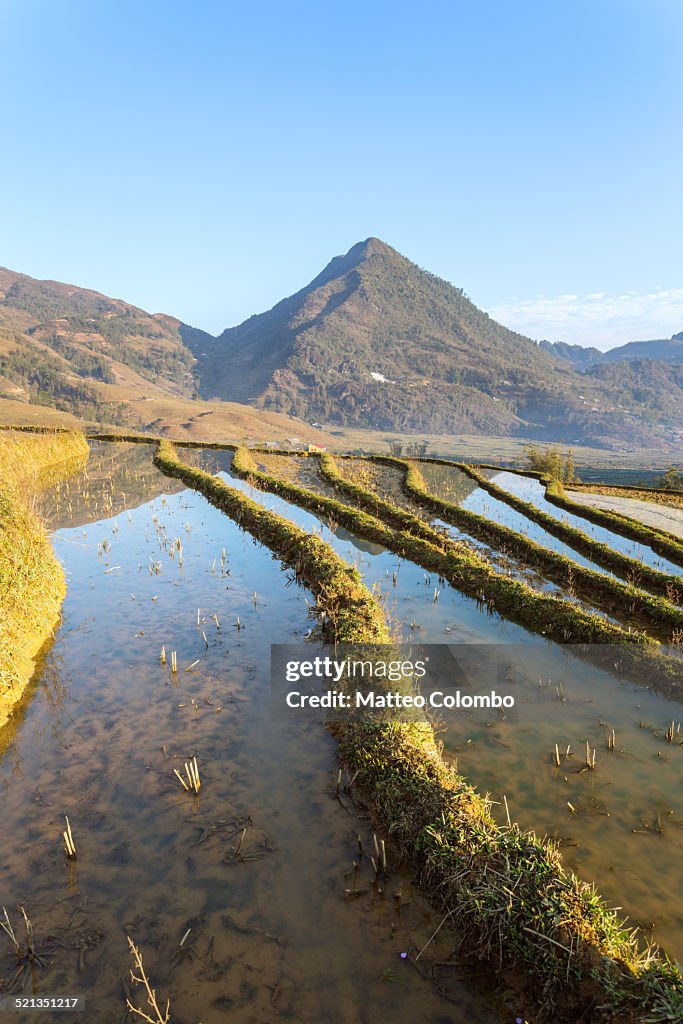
[98, 740]
[513, 754]
[446, 483]
[533, 491]
[91, 744]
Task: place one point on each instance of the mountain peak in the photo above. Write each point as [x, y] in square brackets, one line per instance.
[340, 265]
[371, 247]
[374, 341]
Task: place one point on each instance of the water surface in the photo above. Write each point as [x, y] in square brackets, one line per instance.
[257, 867]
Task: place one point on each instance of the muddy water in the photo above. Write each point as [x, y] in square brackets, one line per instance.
[532, 490]
[256, 868]
[625, 831]
[620, 824]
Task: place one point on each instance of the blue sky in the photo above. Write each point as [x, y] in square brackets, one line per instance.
[207, 159]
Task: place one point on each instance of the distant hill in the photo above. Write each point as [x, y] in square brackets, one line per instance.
[576, 355]
[59, 342]
[669, 350]
[104, 360]
[374, 341]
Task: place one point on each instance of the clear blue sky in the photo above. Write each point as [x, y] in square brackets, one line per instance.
[206, 159]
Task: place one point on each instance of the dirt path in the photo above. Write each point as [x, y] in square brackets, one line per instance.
[659, 516]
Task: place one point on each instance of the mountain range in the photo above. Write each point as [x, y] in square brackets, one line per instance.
[666, 350]
[372, 342]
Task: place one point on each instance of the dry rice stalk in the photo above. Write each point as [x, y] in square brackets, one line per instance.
[69, 841]
[191, 782]
[141, 979]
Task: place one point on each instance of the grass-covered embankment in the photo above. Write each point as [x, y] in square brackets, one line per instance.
[605, 592]
[31, 580]
[664, 544]
[655, 495]
[646, 577]
[636, 655]
[504, 890]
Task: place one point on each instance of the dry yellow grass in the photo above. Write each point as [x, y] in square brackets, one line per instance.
[31, 580]
[184, 419]
[477, 448]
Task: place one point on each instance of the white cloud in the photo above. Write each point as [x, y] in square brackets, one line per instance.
[597, 318]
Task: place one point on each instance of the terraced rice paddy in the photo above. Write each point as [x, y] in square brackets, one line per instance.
[532, 490]
[273, 931]
[503, 553]
[609, 835]
[387, 483]
[453, 485]
[244, 898]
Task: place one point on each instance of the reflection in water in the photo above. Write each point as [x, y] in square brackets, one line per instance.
[117, 477]
[273, 930]
[532, 490]
[561, 700]
[448, 483]
[257, 874]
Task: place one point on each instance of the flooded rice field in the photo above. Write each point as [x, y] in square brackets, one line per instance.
[532, 490]
[451, 484]
[619, 824]
[244, 898]
[386, 482]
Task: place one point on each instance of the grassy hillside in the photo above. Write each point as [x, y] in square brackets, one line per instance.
[179, 418]
[101, 360]
[52, 336]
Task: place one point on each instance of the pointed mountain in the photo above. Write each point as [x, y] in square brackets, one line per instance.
[376, 342]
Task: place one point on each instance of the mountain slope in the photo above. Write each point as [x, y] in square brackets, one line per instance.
[104, 360]
[374, 341]
[56, 340]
